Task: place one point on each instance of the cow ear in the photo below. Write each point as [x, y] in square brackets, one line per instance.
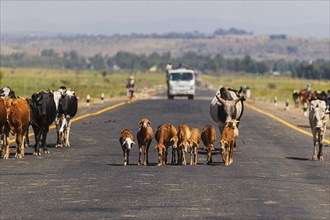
[140, 122]
[149, 123]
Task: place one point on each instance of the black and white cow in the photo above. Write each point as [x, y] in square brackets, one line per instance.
[42, 115]
[7, 92]
[318, 121]
[226, 105]
[66, 107]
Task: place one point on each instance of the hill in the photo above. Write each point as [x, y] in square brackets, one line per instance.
[260, 47]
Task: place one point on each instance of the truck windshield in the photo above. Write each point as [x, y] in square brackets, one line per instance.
[181, 76]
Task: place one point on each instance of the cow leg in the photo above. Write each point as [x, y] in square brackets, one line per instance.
[315, 152]
[195, 154]
[26, 140]
[128, 156]
[37, 136]
[67, 134]
[18, 146]
[184, 151]
[231, 152]
[146, 156]
[125, 157]
[174, 152]
[44, 145]
[320, 154]
[191, 155]
[6, 143]
[57, 124]
[140, 154]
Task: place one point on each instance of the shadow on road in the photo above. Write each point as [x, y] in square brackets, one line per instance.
[296, 158]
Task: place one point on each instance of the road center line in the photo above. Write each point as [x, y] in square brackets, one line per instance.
[84, 116]
[283, 122]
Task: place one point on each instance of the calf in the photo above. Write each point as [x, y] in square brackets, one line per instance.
[144, 136]
[66, 106]
[166, 136]
[126, 141]
[43, 113]
[18, 119]
[208, 137]
[228, 139]
[183, 143]
[194, 140]
[317, 121]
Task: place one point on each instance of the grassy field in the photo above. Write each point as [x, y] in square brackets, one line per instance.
[25, 82]
[265, 88]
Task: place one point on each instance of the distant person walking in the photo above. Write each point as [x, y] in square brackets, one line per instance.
[168, 68]
[130, 86]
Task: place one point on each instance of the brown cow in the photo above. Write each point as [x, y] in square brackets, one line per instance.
[194, 140]
[4, 102]
[144, 137]
[183, 143]
[18, 113]
[166, 136]
[228, 139]
[126, 141]
[208, 137]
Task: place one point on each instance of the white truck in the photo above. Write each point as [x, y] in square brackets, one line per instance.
[181, 82]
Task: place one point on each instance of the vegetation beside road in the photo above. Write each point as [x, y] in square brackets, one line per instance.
[26, 81]
[263, 87]
[266, 87]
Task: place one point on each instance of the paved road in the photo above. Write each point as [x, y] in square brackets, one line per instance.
[272, 176]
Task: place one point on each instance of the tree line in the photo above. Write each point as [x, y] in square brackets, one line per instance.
[49, 58]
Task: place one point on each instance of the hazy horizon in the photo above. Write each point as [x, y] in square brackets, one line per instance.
[297, 18]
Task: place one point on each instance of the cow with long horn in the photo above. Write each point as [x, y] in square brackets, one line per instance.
[226, 105]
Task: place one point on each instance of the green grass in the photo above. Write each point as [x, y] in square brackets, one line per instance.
[266, 87]
[27, 81]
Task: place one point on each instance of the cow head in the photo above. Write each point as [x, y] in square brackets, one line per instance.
[128, 143]
[209, 149]
[7, 92]
[318, 110]
[144, 123]
[229, 106]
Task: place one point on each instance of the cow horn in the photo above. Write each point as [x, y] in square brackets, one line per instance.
[221, 100]
[239, 99]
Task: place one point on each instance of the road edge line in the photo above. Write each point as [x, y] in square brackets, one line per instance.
[283, 121]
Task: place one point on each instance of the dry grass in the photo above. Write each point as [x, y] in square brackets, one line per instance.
[25, 82]
[265, 88]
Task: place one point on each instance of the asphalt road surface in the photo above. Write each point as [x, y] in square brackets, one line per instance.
[272, 177]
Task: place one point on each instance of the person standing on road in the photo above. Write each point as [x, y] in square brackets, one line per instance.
[168, 68]
[130, 86]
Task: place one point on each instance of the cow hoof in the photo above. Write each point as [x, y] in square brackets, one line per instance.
[46, 151]
[145, 163]
[58, 146]
[36, 153]
[125, 163]
[321, 158]
[314, 157]
[18, 156]
[5, 157]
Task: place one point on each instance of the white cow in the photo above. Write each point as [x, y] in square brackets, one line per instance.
[317, 121]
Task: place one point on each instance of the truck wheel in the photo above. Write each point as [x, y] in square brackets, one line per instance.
[170, 97]
[191, 97]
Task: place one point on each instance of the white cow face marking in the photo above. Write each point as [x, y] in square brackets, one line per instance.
[128, 143]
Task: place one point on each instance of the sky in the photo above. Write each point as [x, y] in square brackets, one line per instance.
[298, 18]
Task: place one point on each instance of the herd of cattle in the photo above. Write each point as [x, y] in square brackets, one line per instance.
[44, 108]
[226, 109]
